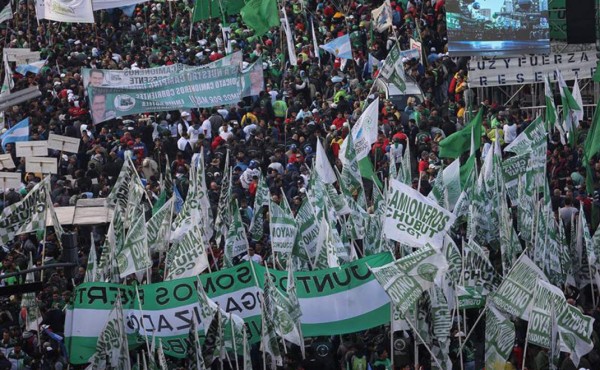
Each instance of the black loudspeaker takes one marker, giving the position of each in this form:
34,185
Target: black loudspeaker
581,21
69,245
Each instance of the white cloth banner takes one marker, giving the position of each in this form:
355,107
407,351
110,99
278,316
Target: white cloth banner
528,69
68,11
413,219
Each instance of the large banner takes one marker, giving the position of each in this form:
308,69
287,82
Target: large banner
528,69
497,27
413,219
202,88
68,11
122,78
328,302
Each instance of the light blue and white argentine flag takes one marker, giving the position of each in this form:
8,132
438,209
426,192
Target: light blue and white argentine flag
19,132
339,47
34,67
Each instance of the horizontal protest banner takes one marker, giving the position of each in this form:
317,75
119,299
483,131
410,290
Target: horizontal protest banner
527,69
327,301
129,77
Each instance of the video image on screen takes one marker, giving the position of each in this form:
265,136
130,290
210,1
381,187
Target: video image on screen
497,27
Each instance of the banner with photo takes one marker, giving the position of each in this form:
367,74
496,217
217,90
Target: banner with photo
186,90
497,27
129,77
528,69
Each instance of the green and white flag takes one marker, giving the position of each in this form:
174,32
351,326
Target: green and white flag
282,226
446,188
188,256
350,180
515,295
373,243
160,353
134,202
135,255
6,13
119,194
270,339
208,308
322,165
168,305
514,170
281,309
499,339
196,208
111,347
223,219
194,353
91,271
392,70
26,216
575,329
551,115
584,237
326,256
405,170
486,199
305,246
33,316
364,133
236,242
569,105
414,219
407,278
158,227
261,199
478,271
108,269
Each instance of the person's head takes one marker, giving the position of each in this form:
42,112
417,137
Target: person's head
251,251
98,108
96,77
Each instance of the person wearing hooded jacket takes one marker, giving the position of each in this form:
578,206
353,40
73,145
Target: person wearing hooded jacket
249,173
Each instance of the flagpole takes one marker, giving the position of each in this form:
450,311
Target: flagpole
237,364
137,293
44,240
416,346
460,341
392,334
424,343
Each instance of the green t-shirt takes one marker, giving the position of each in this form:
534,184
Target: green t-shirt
385,362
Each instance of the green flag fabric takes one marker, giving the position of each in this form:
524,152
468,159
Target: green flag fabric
591,148
260,15
459,142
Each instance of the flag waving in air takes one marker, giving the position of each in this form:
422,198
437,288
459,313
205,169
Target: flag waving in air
339,47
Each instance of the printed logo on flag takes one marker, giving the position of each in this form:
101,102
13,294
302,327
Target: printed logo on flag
124,103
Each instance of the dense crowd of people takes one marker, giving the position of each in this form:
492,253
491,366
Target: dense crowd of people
274,133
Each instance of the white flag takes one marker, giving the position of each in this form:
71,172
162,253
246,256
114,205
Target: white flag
322,165
413,219
382,17
188,257
578,114
289,38
77,11
364,132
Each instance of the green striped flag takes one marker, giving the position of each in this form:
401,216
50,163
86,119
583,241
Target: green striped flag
167,306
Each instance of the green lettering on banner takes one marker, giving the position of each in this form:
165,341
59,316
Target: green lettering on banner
168,307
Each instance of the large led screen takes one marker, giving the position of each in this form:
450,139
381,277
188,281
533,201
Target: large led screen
497,27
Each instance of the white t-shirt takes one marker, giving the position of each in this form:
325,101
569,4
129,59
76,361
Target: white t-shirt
194,132
206,129
256,258
510,133
182,143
